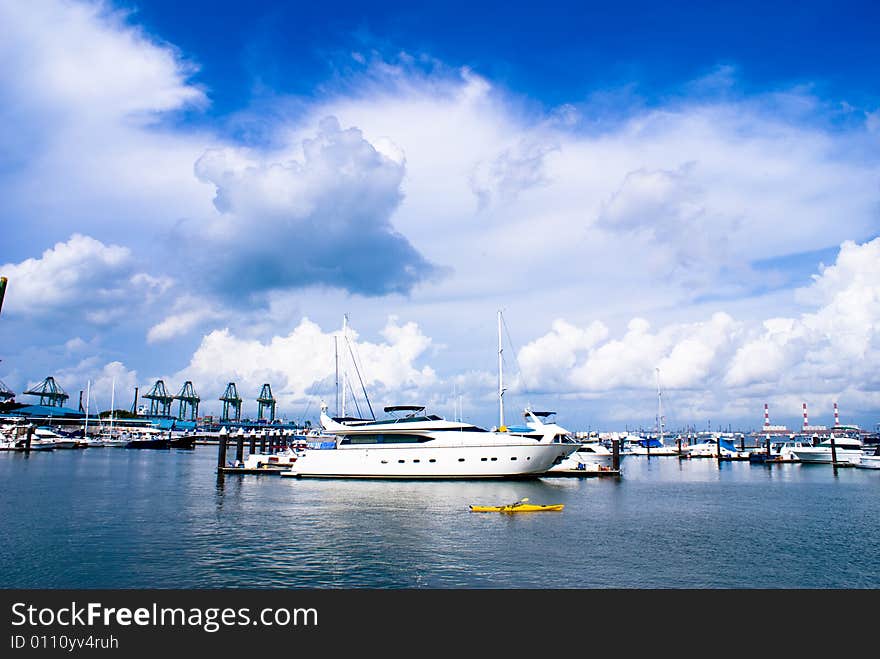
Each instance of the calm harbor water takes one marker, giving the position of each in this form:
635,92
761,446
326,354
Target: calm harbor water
115,518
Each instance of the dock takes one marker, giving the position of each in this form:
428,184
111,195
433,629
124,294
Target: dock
256,470
583,473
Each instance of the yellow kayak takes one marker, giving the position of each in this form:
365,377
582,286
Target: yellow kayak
517,508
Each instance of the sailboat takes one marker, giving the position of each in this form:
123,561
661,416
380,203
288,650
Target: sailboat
651,446
90,442
412,444
113,440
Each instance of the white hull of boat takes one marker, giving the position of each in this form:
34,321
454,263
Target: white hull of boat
66,443
869,462
261,460
41,445
431,462
709,452
582,460
822,455
666,451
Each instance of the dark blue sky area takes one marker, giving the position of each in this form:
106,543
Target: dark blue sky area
553,52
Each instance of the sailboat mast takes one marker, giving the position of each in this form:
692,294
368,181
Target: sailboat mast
344,335
112,404
500,376
336,357
88,395
659,408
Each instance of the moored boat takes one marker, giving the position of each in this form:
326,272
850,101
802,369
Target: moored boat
846,449
421,446
412,444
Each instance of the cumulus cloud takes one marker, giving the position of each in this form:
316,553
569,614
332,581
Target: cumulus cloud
301,364
101,384
81,274
324,219
829,351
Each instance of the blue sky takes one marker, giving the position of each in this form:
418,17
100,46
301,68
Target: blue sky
554,54
200,190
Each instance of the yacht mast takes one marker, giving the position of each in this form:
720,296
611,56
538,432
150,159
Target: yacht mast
344,335
500,376
336,356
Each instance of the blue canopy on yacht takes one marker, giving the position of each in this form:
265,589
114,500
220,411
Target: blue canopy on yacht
727,444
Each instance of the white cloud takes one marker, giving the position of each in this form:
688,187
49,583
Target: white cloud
318,217
301,364
188,313
87,92
83,275
83,56
546,361
100,384
829,351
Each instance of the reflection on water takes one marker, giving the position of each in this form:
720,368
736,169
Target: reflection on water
115,518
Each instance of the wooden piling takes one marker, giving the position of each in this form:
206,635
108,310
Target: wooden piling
767,443
221,452
615,454
239,450
27,441
253,445
833,454
263,444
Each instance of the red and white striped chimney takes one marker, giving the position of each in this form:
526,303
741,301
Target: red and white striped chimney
806,423
836,416
766,416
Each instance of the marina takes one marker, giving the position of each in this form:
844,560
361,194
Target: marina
167,519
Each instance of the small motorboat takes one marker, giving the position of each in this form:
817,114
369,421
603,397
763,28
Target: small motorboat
145,440
521,506
869,460
182,441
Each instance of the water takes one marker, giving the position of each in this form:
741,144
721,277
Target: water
115,518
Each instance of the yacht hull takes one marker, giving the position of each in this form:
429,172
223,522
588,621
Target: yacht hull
431,461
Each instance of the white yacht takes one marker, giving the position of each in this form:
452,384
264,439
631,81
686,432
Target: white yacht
588,456
414,445
648,446
45,435
786,450
709,449
847,449
870,459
